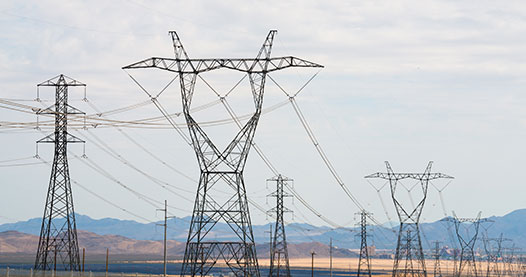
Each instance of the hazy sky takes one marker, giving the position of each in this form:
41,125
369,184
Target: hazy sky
404,81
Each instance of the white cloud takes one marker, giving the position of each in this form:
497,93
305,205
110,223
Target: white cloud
405,81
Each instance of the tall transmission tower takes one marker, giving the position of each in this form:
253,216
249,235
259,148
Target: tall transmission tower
467,243
58,243
409,245
221,168
279,259
436,255
364,263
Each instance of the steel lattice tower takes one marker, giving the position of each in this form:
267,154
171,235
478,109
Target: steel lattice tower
279,259
467,244
436,255
493,249
409,245
58,236
221,167
364,263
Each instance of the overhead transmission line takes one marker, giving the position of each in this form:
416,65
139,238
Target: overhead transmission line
265,159
97,168
258,150
317,145
98,121
260,153
91,164
111,203
112,153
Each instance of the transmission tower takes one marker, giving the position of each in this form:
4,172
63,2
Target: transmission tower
467,254
58,236
509,260
221,168
436,255
279,259
364,263
493,249
409,245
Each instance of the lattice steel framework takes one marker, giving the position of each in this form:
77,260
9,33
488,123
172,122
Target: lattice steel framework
409,245
202,251
436,255
509,260
467,243
58,243
279,259
493,249
364,263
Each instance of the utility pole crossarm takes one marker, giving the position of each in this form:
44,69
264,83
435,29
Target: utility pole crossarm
197,66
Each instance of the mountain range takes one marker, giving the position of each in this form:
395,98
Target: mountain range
17,247
511,225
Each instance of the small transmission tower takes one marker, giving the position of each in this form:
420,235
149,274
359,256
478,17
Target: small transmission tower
436,255
409,246
58,235
467,244
364,263
221,168
279,258
493,249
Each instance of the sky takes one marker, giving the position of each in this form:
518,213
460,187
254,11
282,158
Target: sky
403,81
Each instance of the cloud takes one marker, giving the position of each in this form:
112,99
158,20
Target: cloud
405,81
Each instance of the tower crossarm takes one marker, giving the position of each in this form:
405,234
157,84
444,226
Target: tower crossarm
251,65
415,176
61,80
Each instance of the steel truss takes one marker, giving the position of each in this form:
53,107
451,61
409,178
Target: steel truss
493,249
279,260
364,263
437,271
224,167
409,245
467,244
58,243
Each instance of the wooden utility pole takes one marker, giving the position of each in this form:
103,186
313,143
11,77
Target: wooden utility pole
312,263
55,253
107,254
330,257
269,244
165,225
83,258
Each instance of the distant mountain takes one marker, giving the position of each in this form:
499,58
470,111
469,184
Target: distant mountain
22,247
17,242
512,225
